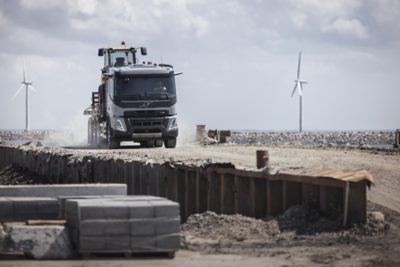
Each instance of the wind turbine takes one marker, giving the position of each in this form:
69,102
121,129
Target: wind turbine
299,86
27,85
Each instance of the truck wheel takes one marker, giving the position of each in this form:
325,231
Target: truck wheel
112,143
89,131
158,143
170,143
95,133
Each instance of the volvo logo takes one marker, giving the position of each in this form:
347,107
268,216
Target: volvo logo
145,105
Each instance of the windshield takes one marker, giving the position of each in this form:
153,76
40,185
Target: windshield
141,87
121,58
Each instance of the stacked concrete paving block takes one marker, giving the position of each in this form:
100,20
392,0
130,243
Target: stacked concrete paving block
24,202
125,224
25,208
56,190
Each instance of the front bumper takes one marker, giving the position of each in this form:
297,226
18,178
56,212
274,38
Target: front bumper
142,129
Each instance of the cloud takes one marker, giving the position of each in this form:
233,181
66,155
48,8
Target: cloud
347,27
233,54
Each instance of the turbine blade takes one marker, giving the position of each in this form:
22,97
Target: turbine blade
300,90
18,91
294,89
298,66
33,88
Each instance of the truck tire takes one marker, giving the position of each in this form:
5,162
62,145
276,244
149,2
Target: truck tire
89,131
111,141
170,143
95,133
158,143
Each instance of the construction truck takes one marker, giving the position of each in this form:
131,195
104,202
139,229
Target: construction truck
134,102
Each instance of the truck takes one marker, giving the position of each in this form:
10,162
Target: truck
135,101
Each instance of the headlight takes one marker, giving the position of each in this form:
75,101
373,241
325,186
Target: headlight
173,124
119,125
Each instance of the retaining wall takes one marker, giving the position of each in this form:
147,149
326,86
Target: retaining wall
216,187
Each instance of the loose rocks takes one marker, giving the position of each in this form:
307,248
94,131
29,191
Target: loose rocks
232,228
360,140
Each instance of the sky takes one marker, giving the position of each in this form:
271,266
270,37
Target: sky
238,58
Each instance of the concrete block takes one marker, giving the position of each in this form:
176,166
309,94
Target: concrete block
91,243
57,190
6,209
40,242
117,243
104,227
143,243
168,225
116,210
90,212
25,208
141,209
62,200
142,227
165,208
168,242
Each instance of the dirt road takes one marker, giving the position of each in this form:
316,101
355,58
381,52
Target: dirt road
384,166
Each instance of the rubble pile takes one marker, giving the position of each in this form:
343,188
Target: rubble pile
210,225
361,140
299,225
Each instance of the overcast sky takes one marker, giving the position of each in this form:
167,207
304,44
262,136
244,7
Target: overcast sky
239,59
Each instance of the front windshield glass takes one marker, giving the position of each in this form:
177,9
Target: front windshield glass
121,58
142,87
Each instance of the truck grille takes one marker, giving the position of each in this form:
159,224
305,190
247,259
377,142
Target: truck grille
146,113
145,123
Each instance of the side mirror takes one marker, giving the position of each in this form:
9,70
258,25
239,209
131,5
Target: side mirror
143,51
101,52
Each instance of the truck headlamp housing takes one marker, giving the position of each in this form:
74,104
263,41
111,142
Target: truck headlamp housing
119,125
173,123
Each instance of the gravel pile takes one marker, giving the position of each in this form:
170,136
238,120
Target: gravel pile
362,140
210,225
298,226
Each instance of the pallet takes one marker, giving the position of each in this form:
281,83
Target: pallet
127,254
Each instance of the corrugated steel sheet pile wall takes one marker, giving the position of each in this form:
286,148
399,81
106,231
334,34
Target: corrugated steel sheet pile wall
216,187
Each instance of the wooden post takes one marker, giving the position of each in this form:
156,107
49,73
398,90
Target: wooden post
262,158
397,139
346,202
200,131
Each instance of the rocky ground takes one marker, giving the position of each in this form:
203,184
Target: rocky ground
346,139
300,234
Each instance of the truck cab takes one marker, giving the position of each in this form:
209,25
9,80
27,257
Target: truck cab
134,102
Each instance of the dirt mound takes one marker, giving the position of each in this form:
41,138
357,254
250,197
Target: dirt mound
298,226
307,220
210,225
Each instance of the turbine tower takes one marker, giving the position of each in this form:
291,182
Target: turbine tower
27,85
299,86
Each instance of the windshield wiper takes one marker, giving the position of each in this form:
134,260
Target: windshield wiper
167,96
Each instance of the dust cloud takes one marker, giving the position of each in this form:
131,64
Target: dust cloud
73,133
